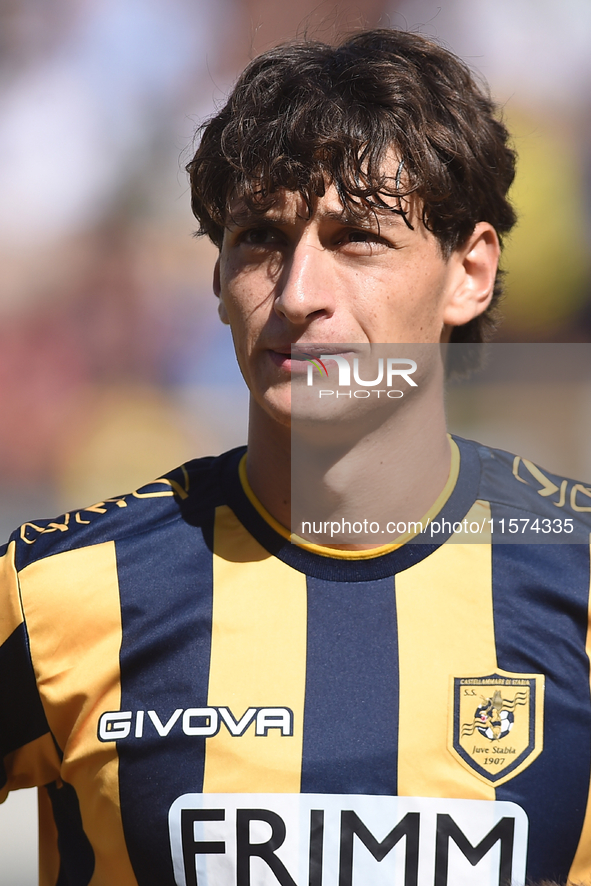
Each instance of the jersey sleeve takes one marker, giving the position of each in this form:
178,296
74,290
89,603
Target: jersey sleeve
27,752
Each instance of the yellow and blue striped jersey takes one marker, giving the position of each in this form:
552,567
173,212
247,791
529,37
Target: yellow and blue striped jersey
201,701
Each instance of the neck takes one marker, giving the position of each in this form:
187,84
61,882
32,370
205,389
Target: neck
403,464
269,463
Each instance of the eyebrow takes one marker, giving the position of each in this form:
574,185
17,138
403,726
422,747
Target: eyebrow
377,215
243,216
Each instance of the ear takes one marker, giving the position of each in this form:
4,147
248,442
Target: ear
217,289
475,267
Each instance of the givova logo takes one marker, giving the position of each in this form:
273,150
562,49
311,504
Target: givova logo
118,725
345,840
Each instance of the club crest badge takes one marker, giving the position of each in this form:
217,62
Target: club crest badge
496,728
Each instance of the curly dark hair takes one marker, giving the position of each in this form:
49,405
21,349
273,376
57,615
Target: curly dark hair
307,115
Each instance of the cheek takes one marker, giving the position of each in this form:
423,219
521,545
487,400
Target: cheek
247,317
237,296
412,310
427,288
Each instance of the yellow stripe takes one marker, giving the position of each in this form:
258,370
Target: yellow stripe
445,627
580,871
479,513
49,857
258,659
71,605
11,615
33,764
371,553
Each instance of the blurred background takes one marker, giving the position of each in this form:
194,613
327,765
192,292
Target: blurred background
113,364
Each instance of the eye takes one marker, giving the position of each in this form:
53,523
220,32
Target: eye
360,236
261,236
363,239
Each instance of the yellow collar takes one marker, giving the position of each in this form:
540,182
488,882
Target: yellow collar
354,555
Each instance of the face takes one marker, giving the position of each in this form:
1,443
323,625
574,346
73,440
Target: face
284,279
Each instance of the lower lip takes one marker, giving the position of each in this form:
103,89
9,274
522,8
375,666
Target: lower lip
284,361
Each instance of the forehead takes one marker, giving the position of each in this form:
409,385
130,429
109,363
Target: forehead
290,207
386,206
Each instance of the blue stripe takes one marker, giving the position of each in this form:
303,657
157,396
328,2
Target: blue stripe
540,595
351,709
76,854
165,579
22,718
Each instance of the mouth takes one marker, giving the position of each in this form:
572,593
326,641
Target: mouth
284,359
295,358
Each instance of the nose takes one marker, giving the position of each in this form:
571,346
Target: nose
304,290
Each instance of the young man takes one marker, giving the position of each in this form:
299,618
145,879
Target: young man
204,701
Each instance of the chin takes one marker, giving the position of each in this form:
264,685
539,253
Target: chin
280,417
277,405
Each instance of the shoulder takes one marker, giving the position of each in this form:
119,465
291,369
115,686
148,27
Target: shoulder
184,494
514,485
